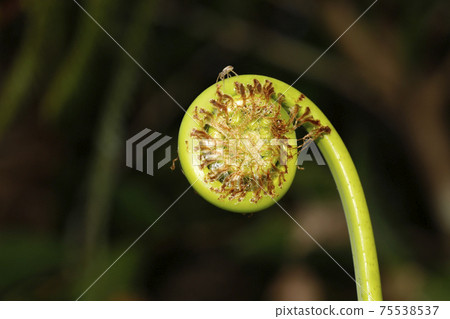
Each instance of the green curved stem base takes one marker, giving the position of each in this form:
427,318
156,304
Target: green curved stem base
365,260
364,252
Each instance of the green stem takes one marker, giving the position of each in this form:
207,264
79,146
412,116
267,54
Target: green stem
356,212
362,241
341,165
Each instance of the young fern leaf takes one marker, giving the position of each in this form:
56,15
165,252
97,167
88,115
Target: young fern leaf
237,144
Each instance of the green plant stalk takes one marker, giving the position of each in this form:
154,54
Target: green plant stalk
359,226
342,168
364,253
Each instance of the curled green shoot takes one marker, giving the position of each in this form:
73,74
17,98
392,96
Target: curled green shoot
238,173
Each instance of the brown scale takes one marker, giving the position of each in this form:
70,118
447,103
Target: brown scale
222,97
239,87
279,128
306,117
196,113
281,176
222,107
257,86
251,91
268,90
172,167
200,134
270,184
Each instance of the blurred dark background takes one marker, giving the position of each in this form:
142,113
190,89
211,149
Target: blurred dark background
69,98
